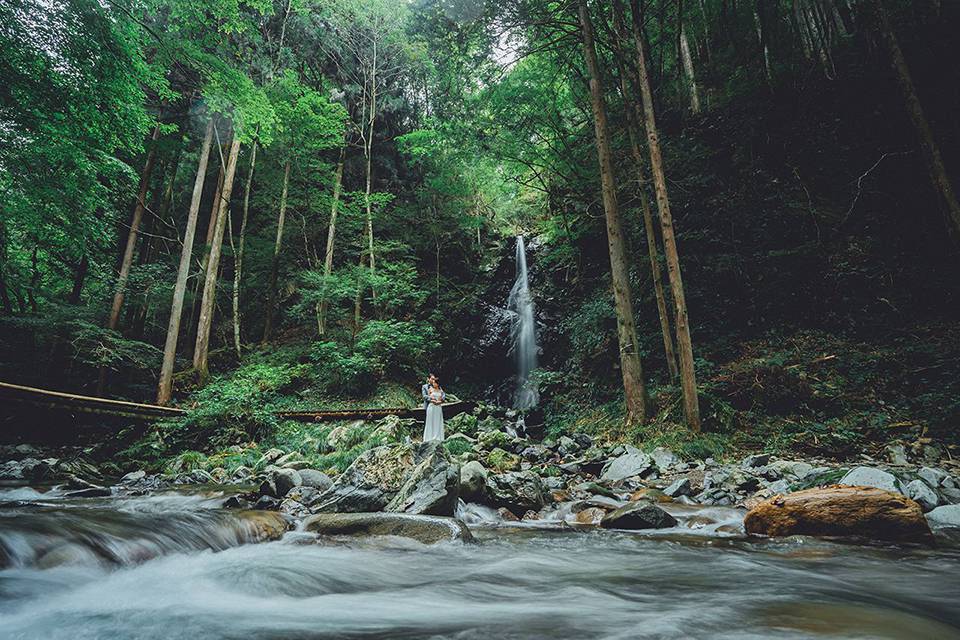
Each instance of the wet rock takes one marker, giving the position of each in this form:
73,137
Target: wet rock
837,510
780,486
926,497
716,496
271,456
535,453
596,489
423,528
267,503
294,508
518,491
947,516
219,475
236,502
871,477
755,461
265,525
506,515
432,488
26,451
315,479
590,515
663,458
638,515
279,482
473,481
627,466
650,494
789,469
679,487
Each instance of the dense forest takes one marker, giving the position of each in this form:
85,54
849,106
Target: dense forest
740,215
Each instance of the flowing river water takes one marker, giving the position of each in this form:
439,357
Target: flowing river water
174,566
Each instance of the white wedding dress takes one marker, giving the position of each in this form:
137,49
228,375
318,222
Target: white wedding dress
433,429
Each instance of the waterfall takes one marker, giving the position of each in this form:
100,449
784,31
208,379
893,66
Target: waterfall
524,333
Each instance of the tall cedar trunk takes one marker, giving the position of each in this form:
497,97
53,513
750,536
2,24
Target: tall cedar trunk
760,21
208,241
688,380
202,347
939,178
275,262
634,118
635,392
238,254
689,71
331,235
138,210
165,386
369,150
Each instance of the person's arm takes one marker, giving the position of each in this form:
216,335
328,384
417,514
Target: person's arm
425,392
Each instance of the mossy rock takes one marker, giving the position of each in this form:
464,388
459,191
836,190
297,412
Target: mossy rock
502,461
493,440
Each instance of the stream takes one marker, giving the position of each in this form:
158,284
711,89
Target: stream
174,565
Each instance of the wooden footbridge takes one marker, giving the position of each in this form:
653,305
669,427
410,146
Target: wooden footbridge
75,403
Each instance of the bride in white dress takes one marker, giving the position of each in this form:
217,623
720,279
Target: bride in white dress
433,429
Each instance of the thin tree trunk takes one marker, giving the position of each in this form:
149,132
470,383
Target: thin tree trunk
369,153
936,170
165,387
4,294
331,235
275,262
202,347
688,381
138,210
79,278
208,242
634,115
238,254
635,393
688,69
759,19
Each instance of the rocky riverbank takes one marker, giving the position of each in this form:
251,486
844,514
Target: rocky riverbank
573,480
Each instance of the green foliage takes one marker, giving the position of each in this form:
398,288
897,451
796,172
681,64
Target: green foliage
502,461
458,446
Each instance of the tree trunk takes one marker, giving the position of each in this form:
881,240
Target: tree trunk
369,151
134,228
331,235
202,347
79,277
208,242
760,21
275,262
165,386
689,71
688,381
4,294
936,170
238,255
634,118
635,393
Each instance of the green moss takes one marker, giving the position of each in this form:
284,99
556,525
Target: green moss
457,446
502,461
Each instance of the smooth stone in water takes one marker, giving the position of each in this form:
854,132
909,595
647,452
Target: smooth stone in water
425,529
638,515
473,480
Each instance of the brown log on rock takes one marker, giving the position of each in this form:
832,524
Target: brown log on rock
837,510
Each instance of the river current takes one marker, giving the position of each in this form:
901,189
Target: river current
176,567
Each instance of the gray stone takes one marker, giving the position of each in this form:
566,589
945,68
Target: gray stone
133,477
425,529
638,515
791,469
271,456
933,477
896,453
518,491
626,466
473,481
780,486
945,516
871,477
755,461
680,487
926,497
315,479
663,458
289,458
432,488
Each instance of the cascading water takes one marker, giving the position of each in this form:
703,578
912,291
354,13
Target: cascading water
524,333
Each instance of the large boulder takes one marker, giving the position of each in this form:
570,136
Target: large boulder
638,515
870,477
627,466
432,487
473,481
518,491
316,479
837,510
279,482
381,474
425,529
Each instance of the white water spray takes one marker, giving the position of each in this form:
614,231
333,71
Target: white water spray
524,346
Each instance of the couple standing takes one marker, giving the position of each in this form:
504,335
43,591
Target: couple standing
433,397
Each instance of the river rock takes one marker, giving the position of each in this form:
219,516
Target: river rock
269,457
947,516
518,491
790,469
679,487
933,477
926,497
315,479
837,510
896,453
590,515
755,461
626,466
473,481
871,477
638,515
378,475
432,488
279,482
133,477
663,458
425,529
